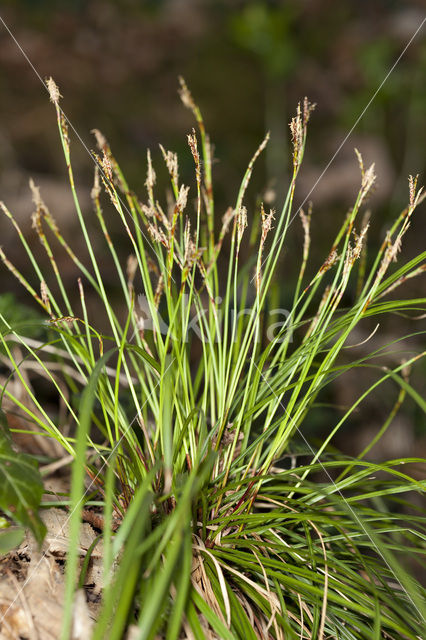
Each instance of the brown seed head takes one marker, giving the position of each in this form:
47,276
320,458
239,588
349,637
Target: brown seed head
45,295
96,189
241,223
171,161
331,259
308,107
101,141
185,95
107,166
150,175
53,90
182,198
359,241
266,222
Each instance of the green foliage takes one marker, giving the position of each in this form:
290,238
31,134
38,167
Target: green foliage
11,538
22,317
212,524
267,32
21,488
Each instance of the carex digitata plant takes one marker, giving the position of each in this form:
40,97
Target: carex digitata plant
184,413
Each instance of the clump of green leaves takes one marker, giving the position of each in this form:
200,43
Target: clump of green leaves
21,488
189,407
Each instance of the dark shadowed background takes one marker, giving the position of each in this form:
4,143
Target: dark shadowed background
247,64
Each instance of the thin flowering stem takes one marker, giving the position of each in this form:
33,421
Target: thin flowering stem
188,101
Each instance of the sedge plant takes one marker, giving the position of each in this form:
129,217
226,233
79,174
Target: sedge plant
188,409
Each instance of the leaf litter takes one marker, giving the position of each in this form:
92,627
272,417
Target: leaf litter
32,584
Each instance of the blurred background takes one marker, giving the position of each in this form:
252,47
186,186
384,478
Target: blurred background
247,65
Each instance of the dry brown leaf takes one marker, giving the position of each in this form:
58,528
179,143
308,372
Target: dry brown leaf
33,609
82,624
57,538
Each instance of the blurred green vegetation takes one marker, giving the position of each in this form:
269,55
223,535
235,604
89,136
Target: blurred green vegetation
248,63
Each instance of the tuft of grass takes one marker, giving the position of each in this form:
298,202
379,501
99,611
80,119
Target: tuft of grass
190,405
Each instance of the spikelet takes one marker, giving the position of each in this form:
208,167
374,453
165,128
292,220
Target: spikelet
368,177
101,141
185,95
241,225
171,161
150,178
53,89
193,145
266,227
306,224
329,261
